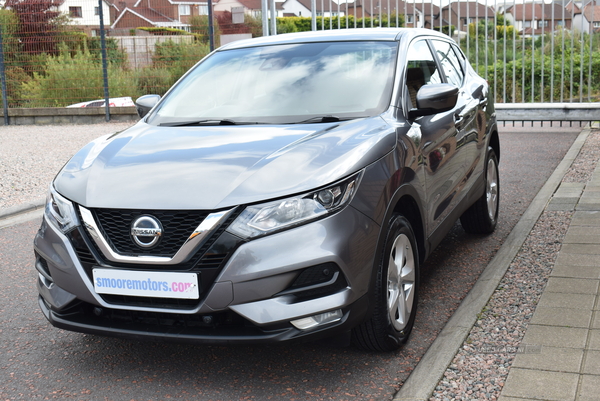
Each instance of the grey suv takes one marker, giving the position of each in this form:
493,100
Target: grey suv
285,188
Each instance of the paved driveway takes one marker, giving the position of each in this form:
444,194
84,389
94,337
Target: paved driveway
39,361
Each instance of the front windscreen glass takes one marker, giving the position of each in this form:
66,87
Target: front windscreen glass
307,82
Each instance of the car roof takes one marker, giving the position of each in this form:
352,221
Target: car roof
339,35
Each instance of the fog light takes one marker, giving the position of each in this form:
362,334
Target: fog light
317,320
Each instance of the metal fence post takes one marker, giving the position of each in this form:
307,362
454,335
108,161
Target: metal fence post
313,15
3,80
211,29
273,18
265,17
104,61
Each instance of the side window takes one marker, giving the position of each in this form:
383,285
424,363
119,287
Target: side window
461,57
450,62
421,69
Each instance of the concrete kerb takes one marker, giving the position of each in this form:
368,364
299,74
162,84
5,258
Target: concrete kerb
22,209
427,374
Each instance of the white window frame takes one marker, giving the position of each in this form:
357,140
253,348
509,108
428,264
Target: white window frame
185,9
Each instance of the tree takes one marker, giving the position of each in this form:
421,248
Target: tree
38,24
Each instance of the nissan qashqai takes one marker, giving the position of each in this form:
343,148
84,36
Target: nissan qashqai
286,187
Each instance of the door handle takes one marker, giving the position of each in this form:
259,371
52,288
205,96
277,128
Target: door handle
458,120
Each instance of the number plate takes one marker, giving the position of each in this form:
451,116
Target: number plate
146,284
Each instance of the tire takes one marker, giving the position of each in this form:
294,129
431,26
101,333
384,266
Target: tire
482,216
396,292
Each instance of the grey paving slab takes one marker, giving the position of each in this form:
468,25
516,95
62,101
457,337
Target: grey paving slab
576,259
591,363
570,185
582,235
587,206
589,388
565,199
596,320
579,267
552,359
590,198
561,206
572,285
562,317
555,336
571,301
540,384
583,218
583,249
594,343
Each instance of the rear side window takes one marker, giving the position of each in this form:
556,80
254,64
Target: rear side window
421,69
451,65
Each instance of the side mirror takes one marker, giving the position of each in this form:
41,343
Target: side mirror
145,103
434,98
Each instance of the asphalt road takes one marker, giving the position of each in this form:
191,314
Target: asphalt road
38,361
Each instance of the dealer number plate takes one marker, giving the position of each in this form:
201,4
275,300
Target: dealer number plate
146,284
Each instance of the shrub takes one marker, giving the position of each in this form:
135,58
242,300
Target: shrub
75,78
178,57
153,80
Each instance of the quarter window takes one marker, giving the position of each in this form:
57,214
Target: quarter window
450,63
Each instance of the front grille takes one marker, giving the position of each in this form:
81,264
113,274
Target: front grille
115,225
170,303
219,324
207,262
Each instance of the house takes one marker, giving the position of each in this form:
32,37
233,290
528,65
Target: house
535,19
462,13
302,8
372,8
431,15
159,13
250,7
86,14
586,17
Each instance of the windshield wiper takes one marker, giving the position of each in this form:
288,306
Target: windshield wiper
324,119
206,122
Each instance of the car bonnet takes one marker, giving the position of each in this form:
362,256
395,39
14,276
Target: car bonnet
208,168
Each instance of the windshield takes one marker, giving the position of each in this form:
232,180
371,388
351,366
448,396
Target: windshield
284,84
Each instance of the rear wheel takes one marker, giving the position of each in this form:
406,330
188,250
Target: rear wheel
396,291
482,216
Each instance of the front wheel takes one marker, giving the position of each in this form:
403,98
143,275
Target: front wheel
396,291
482,216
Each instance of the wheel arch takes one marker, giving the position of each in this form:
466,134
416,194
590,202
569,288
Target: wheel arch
494,143
405,201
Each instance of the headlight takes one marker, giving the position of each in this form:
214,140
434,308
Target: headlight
257,220
59,211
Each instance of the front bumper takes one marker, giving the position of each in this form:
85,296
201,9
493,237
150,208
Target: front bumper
249,301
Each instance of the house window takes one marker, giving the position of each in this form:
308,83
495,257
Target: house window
542,24
96,10
184,9
202,10
410,18
75,12
596,24
527,24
